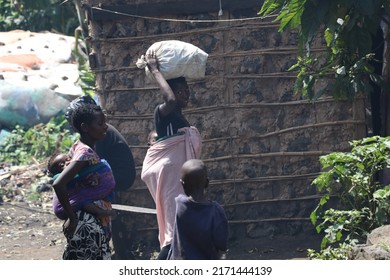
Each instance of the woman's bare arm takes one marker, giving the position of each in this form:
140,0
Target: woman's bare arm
59,186
168,95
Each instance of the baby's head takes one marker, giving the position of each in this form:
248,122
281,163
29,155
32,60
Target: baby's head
194,176
152,138
57,163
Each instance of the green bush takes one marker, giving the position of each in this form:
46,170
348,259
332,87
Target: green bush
38,15
329,253
353,179
37,143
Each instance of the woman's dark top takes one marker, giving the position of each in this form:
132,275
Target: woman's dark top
116,151
168,125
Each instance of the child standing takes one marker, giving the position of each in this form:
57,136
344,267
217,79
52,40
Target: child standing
86,238
201,229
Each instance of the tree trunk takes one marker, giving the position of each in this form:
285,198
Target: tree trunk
385,98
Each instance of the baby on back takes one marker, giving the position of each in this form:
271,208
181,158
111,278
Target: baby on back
86,191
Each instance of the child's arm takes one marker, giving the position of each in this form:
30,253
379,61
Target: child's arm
98,212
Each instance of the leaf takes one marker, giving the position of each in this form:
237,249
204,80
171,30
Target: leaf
308,86
324,199
290,15
312,17
328,35
293,67
313,218
269,6
382,193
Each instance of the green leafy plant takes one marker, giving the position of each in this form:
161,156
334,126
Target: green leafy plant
38,15
352,180
86,78
37,143
342,225
348,28
338,253
381,197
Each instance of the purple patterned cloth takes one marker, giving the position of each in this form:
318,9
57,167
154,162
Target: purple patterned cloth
94,182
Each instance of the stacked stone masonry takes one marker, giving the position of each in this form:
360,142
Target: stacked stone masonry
261,142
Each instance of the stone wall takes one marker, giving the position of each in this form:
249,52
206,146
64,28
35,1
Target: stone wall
261,143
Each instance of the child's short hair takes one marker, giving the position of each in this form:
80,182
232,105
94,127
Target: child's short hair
85,113
194,175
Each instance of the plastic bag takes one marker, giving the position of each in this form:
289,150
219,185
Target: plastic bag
177,59
27,104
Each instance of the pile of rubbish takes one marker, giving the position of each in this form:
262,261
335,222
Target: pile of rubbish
38,77
28,184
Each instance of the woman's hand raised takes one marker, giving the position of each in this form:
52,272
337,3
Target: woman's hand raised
152,61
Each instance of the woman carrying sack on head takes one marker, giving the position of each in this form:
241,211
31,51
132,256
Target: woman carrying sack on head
176,142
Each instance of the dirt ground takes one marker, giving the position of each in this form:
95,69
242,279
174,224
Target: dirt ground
30,231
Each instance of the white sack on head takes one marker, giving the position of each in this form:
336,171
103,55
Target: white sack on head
177,59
